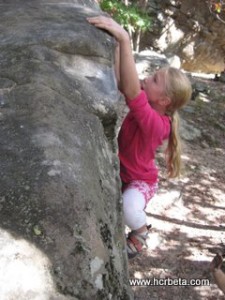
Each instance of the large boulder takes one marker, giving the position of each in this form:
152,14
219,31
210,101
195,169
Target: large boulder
61,226
190,29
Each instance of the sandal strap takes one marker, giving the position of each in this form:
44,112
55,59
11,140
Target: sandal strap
141,239
136,241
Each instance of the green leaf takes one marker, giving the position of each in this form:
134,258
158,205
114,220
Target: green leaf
130,17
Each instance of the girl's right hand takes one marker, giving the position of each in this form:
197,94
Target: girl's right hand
127,74
216,262
111,26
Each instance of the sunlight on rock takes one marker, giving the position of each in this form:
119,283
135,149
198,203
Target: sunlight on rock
185,179
140,67
173,38
206,170
167,197
220,150
138,275
24,270
203,75
154,241
202,293
197,254
205,181
202,97
100,107
185,157
218,194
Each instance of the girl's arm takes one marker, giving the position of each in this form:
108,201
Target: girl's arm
219,277
218,274
129,82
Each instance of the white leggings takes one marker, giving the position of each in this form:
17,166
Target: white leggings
135,198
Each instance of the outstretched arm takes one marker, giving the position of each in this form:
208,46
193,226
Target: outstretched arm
129,82
218,274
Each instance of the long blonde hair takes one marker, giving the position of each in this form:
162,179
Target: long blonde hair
178,89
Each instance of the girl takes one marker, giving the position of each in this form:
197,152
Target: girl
152,118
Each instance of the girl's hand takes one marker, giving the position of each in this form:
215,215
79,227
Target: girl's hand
126,69
217,262
111,26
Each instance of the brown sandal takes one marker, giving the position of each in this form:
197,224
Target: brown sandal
135,243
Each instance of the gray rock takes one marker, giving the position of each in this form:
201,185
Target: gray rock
61,227
148,61
222,77
190,30
188,131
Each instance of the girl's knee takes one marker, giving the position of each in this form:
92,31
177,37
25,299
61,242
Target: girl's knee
133,207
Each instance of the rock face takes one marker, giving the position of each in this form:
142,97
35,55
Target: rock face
190,30
61,228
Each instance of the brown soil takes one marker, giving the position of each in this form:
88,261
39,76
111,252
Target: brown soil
187,215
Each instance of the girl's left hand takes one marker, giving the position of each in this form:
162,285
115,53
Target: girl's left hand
111,26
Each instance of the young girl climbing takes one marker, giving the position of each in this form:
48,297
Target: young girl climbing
152,118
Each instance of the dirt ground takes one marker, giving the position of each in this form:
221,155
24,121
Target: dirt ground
188,215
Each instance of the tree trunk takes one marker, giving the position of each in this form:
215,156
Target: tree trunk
137,41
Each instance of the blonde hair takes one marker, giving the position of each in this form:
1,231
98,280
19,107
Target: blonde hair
178,89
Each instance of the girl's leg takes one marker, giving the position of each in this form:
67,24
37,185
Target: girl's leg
135,197
135,218
133,207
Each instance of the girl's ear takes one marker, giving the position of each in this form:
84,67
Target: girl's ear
165,101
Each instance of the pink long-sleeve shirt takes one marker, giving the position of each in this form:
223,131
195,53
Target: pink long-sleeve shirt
142,132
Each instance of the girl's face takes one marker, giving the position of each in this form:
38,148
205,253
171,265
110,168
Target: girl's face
154,86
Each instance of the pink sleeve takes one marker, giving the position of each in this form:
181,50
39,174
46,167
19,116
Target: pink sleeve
149,121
